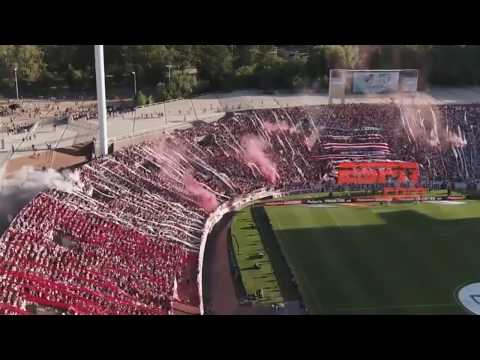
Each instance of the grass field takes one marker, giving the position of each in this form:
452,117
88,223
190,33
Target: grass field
251,235
404,258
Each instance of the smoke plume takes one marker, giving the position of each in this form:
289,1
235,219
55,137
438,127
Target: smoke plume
458,140
424,125
21,187
204,198
254,152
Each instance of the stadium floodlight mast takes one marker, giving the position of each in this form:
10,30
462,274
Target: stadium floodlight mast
101,99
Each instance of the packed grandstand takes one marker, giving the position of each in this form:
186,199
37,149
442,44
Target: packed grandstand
125,239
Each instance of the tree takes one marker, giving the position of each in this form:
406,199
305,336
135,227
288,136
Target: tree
181,86
57,57
141,99
77,79
183,56
215,64
155,59
27,58
323,58
162,92
148,61
269,72
293,74
316,65
246,55
341,56
404,57
245,76
455,65
184,84
299,83
223,67
265,52
30,65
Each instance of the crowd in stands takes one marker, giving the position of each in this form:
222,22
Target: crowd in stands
34,111
11,127
31,112
110,269
136,230
442,139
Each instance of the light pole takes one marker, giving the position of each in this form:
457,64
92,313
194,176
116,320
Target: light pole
101,99
16,79
134,84
169,74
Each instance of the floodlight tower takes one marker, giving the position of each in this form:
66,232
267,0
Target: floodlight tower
101,99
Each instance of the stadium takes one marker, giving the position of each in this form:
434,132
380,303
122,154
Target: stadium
357,207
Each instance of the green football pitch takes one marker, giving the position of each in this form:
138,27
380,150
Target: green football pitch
397,259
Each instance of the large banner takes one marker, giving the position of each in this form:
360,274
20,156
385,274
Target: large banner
372,82
408,84
375,82
378,172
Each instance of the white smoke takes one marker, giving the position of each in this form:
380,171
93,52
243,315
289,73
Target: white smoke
28,178
457,139
19,188
438,134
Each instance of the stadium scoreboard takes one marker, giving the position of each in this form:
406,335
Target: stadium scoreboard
344,83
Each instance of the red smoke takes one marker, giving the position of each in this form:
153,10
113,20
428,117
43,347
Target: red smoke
254,152
273,128
204,198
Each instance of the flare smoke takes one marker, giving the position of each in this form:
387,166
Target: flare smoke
204,198
254,152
